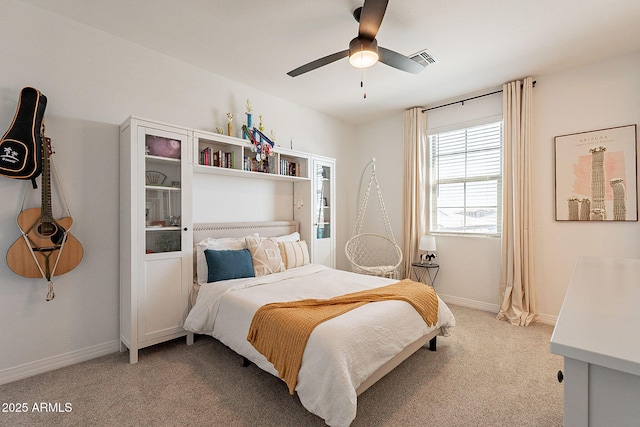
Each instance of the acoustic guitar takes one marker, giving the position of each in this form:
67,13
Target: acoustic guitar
46,248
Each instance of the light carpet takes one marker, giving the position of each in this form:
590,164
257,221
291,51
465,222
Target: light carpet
487,373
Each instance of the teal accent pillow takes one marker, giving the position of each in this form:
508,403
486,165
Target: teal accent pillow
228,264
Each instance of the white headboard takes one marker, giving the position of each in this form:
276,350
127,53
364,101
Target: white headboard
240,229
219,230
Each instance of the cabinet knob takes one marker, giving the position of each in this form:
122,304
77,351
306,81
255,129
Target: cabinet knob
560,376
184,229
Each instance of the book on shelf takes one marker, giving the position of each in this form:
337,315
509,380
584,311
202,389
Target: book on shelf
218,158
289,168
252,165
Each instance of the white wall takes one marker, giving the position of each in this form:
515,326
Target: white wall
599,95
594,96
384,140
381,140
93,81
252,199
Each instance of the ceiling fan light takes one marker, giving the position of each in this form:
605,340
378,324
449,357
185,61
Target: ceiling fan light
363,53
363,59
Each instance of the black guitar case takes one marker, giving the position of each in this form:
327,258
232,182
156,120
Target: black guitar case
21,145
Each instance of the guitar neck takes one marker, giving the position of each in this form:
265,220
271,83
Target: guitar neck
46,178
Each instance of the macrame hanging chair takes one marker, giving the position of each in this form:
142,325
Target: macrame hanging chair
371,253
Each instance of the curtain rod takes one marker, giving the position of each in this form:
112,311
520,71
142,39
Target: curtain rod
462,101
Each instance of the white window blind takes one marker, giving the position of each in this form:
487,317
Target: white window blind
466,180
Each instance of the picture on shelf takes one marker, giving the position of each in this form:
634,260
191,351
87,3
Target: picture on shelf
162,147
153,211
149,212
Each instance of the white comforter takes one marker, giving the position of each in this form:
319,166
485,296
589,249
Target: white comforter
340,354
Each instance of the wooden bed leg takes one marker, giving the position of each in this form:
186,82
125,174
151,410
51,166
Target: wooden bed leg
432,344
245,362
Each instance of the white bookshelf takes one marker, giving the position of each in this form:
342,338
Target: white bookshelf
238,150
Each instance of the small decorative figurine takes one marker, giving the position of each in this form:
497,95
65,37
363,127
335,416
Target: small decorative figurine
230,124
260,126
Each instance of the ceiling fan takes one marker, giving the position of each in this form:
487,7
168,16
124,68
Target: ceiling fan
363,50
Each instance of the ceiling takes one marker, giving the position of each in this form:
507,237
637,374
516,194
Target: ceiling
478,44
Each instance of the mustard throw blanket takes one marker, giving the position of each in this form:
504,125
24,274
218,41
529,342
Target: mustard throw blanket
280,330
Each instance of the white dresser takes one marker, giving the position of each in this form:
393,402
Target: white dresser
598,333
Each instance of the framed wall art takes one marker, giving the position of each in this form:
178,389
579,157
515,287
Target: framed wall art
596,175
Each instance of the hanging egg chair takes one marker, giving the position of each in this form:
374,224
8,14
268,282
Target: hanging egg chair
370,253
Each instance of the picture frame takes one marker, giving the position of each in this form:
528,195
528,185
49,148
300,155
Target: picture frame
162,147
149,212
154,211
596,175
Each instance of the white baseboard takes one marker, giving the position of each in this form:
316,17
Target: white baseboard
479,305
492,308
549,319
55,362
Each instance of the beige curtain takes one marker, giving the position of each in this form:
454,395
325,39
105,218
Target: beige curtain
415,185
517,283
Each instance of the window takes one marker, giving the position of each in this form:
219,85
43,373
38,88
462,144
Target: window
466,180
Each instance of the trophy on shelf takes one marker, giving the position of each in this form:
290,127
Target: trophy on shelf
249,117
230,124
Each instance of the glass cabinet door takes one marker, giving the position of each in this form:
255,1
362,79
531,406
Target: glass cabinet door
163,195
323,176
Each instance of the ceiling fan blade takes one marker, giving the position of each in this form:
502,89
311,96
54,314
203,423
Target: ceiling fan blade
399,61
319,63
371,17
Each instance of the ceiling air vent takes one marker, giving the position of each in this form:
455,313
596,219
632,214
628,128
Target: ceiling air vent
424,58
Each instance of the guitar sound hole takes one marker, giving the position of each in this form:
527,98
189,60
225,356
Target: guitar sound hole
47,229
52,231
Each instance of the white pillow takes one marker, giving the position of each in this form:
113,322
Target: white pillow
293,237
226,243
265,255
294,254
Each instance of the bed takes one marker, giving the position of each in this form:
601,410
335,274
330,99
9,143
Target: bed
333,371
